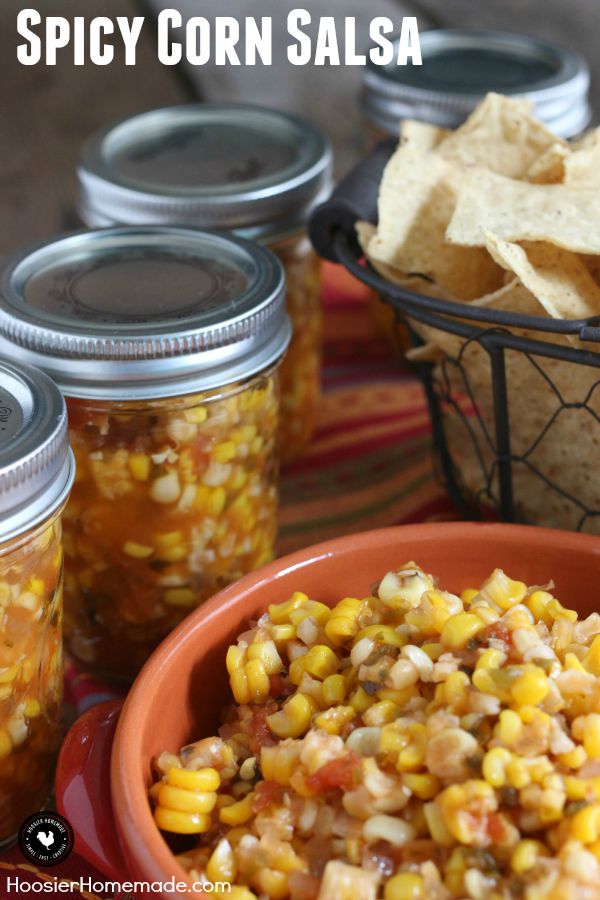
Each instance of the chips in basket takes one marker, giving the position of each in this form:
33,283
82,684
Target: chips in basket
504,214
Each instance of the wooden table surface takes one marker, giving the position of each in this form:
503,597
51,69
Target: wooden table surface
45,113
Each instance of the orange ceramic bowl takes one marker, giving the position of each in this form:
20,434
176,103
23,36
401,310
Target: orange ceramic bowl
178,695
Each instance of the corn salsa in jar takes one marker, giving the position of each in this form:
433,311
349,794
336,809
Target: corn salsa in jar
255,171
172,392
36,472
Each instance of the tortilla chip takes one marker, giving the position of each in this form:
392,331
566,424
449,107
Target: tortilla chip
582,169
416,202
502,135
557,278
421,135
549,168
519,211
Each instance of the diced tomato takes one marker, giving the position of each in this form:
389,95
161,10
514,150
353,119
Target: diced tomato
280,686
337,773
495,827
499,632
260,735
267,793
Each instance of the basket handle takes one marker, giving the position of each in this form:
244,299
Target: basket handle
354,198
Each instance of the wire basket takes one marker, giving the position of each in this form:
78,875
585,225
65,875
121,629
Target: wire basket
514,399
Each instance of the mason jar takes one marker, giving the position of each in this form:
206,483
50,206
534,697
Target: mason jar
166,344
36,473
460,66
251,170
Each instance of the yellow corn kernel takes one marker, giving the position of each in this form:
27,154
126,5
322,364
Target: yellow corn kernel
184,800
207,779
574,759
279,763
180,597
585,824
517,773
8,674
381,634
360,700
174,554
266,652
490,659
333,720
181,822
468,595
398,697
283,633
202,495
140,466
294,719
215,501
531,687
454,802
236,658
224,800
37,586
32,708
433,650
279,612
334,689
224,452
509,727
240,688
494,766
405,886
237,813
591,736
502,590
538,602
558,611
137,551
526,855
343,621
381,713
168,540
271,883
591,660
240,892
222,865
436,825
320,661
258,682
317,611
196,416
455,687
423,786
459,629
576,788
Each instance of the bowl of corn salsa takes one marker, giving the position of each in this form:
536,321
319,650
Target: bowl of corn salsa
404,714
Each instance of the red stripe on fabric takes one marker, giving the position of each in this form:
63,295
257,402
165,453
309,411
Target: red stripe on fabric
322,460
366,422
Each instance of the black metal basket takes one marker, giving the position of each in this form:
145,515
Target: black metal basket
448,384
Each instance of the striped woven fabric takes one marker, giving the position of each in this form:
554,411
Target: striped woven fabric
369,466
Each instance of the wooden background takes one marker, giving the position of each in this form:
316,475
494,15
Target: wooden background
45,113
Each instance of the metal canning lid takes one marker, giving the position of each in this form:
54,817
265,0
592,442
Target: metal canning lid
461,66
36,465
142,313
256,171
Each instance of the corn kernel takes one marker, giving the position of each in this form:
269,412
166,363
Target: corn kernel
184,800
180,597
494,766
266,652
531,687
206,779
237,813
591,736
293,720
526,855
140,466
320,661
137,551
459,629
423,786
334,689
585,824
221,865
404,886
181,822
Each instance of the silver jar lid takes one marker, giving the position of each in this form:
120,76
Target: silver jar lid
461,66
36,465
244,168
147,312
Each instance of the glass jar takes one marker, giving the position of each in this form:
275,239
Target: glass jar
36,472
460,66
251,170
166,343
